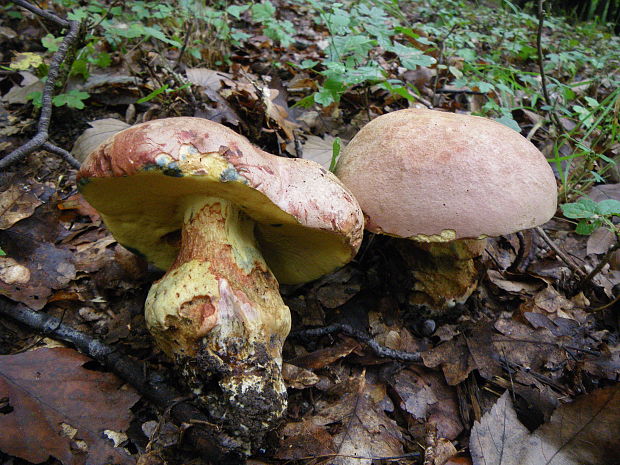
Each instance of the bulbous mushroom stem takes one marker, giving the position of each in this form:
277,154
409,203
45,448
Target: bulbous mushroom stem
219,314
445,273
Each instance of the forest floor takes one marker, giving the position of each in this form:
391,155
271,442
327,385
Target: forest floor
524,372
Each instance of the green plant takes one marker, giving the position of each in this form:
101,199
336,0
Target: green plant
593,215
357,38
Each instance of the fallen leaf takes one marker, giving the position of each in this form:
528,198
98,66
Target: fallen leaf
319,149
323,357
56,407
583,432
100,130
17,202
365,432
298,378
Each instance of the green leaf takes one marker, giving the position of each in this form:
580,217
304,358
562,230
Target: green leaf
307,64
263,12
609,207
51,43
411,57
73,99
583,208
2,253
586,228
153,94
236,10
508,121
335,154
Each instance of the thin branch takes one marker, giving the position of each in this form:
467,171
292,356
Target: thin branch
42,13
377,348
541,66
606,259
218,448
565,258
42,136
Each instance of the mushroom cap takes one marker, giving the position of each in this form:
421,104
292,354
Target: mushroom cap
434,176
307,222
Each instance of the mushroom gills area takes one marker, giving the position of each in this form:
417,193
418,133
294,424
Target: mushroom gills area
445,273
219,314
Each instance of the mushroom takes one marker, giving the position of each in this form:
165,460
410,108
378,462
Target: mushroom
227,221
446,181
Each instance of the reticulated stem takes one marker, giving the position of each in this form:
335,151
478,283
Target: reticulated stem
219,314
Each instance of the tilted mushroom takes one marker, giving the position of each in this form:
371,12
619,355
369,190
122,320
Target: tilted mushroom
226,220
446,181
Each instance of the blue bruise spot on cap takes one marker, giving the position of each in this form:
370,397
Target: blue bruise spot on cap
230,174
173,170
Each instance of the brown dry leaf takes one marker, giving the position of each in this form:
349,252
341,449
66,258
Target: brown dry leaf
17,202
18,94
277,112
210,83
532,350
305,439
100,130
336,289
323,357
425,395
61,409
49,267
584,432
511,286
319,149
298,378
365,429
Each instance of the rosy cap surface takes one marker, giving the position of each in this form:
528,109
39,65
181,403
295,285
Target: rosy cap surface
307,222
435,176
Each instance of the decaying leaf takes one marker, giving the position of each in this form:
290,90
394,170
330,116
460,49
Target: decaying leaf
319,149
58,408
351,424
17,202
584,432
100,130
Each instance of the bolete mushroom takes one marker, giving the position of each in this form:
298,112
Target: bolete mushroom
447,181
247,219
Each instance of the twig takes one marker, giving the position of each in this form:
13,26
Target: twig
377,348
43,13
565,258
606,259
188,33
42,136
541,66
218,448
439,62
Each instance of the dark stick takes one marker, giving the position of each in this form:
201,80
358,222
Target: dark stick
377,348
218,448
42,136
565,258
541,66
606,259
43,13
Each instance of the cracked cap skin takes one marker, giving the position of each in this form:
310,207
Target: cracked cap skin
226,220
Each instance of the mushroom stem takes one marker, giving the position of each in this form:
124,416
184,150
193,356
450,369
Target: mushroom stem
219,314
445,273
